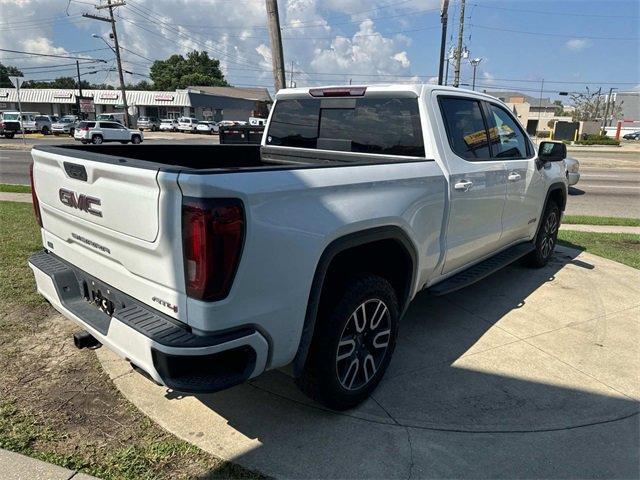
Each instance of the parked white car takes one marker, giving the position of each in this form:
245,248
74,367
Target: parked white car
207,265
572,170
208,127
101,132
187,124
168,125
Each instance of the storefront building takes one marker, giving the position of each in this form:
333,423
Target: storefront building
226,103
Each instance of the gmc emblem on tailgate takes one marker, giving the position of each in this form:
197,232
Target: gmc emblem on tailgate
80,202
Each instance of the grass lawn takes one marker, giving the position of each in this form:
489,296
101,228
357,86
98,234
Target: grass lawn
56,403
591,220
10,187
620,247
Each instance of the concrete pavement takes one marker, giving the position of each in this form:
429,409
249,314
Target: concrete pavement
601,228
530,373
19,467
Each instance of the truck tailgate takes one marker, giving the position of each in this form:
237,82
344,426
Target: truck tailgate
128,197
103,217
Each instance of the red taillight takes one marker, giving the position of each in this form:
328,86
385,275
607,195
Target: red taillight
212,237
338,92
34,197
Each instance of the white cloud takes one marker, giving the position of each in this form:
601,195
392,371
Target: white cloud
488,77
233,32
576,44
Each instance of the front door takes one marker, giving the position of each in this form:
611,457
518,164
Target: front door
477,183
525,184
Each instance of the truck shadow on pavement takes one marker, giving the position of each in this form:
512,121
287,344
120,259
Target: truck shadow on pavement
525,374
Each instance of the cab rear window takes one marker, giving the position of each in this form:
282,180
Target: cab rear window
388,126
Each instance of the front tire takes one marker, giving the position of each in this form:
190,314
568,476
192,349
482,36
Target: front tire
136,139
546,238
8,135
352,344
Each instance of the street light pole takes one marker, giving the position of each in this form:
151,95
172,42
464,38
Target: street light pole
474,63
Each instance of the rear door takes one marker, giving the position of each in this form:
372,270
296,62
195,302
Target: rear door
477,182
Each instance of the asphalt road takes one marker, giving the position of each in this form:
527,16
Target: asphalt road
609,183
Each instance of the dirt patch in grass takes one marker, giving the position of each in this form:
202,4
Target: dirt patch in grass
56,403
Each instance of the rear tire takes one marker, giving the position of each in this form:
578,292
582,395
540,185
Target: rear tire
352,344
45,130
546,238
96,139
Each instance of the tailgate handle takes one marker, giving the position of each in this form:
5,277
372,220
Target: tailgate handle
75,171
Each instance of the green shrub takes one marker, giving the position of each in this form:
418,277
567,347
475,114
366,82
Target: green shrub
595,139
543,134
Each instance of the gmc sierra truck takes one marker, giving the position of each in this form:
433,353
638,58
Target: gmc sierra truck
206,265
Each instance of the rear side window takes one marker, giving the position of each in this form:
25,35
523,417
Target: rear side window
389,126
465,127
86,125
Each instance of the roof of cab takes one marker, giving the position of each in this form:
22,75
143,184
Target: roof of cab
404,88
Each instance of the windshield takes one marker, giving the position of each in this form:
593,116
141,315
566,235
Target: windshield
167,121
10,116
65,120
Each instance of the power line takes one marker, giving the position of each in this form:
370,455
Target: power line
554,13
548,34
48,55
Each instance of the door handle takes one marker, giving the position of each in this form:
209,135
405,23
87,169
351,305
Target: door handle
463,185
514,177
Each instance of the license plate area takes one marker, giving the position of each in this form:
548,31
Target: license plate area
101,297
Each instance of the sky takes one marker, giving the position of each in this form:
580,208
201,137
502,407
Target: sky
571,44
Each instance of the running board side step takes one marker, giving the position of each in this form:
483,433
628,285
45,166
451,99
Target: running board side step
481,270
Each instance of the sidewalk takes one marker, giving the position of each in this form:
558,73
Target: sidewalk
19,467
15,197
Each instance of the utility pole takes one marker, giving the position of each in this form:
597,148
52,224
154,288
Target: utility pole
540,103
456,77
291,76
595,113
79,90
606,110
444,18
277,57
111,4
17,82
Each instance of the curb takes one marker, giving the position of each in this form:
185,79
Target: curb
600,228
15,466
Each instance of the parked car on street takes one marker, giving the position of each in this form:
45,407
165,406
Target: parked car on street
43,124
112,117
572,170
208,127
169,125
206,265
632,136
28,122
65,126
187,124
9,124
148,123
101,132
227,123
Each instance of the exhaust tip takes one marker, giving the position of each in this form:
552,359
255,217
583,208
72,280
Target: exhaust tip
84,339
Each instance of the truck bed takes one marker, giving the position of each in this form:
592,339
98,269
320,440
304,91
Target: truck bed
215,158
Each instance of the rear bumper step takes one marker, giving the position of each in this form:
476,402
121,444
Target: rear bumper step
166,350
481,270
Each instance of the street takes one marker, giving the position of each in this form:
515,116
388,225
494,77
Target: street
609,183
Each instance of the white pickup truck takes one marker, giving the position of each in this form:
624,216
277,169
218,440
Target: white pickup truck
205,265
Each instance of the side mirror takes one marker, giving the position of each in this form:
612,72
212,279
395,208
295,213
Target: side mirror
552,152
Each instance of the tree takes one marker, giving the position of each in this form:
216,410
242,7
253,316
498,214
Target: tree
178,72
5,73
591,106
60,82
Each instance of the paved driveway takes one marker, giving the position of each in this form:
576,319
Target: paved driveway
531,373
